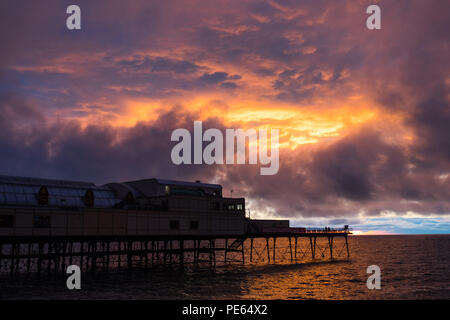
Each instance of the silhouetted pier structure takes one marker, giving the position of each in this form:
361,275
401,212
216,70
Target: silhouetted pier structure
47,225
47,255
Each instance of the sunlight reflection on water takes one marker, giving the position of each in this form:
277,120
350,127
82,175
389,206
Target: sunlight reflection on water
413,267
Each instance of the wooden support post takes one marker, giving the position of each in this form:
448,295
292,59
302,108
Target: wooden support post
194,249
210,252
13,249
181,252
49,256
29,257
71,253
94,256
274,247
129,254
141,251
214,252
251,250
295,248
158,250
226,250
1,255
315,242
56,257
82,256
153,253
18,257
268,250
346,245
58,251
243,253
290,249
107,254
64,253
146,254
87,254
330,245
198,250
165,251
119,254
39,266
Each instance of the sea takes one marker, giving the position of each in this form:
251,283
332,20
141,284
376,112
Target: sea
412,267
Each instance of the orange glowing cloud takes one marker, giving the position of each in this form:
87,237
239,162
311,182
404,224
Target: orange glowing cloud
298,126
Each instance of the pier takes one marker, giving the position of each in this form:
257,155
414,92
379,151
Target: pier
48,225
52,255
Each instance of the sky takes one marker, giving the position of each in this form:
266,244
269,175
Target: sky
363,115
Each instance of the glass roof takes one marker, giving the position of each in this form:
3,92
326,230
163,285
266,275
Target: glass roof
18,191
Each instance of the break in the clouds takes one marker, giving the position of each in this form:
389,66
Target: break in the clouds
364,116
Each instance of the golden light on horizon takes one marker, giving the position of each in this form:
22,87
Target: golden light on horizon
370,233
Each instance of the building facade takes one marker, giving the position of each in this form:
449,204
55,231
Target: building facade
44,207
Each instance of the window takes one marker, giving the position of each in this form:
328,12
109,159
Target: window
174,224
89,198
193,225
239,206
231,207
41,221
167,189
6,221
43,196
129,198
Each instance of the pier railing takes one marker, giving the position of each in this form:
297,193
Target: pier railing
328,230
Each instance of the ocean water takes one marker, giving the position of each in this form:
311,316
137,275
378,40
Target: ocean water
412,267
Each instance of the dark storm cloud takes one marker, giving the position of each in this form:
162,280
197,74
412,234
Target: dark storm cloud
418,85
214,78
359,173
220,77
160,64
31,146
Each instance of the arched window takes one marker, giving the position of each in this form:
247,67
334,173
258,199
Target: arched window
43,196
89,198
129,198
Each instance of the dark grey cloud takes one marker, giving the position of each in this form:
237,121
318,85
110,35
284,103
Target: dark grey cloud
219,77
32,146
160,64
